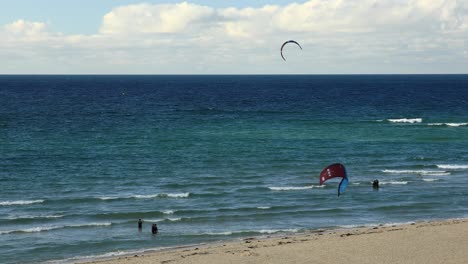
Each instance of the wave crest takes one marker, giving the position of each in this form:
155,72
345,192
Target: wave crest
146,196
418,172
48,228
394,182
292,188
452,167
405,120
263,231
21,202
21,217
448,124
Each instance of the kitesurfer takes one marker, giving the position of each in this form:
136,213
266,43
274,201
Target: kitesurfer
140,224
375,184
154,229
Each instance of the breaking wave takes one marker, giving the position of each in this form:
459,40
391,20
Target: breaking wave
263,231
163,220
148,196
393,182
430,180
448,124
21,217
405,120
21,202
291,188
418,172
48,228
452,167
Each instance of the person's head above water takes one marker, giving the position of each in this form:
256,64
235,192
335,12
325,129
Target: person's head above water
375,183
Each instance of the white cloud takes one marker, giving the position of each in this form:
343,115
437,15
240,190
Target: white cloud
25,30
340,36
147,18
317,16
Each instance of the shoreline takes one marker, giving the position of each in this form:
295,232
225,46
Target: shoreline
435,241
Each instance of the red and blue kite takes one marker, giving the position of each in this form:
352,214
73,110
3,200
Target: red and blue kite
333,171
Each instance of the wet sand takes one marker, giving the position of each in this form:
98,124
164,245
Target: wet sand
422,242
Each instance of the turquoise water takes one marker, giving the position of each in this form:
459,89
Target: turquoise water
211,158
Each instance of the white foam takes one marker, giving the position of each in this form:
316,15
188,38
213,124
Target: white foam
108,198
34,216
21,202
168,212
162,220
51,216
430,180
263,231
394,182
48,228
448,124
419,172
227,233
406,120
291,188
456,124
272,231
153,220
263,207
162,195
178,195
81,259
91,224
438,174
452,167
375,225
146,196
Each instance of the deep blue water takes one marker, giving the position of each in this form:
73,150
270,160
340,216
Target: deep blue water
209,158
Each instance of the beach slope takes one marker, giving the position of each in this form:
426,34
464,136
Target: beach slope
422,242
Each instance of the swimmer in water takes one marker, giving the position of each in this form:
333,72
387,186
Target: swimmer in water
375,184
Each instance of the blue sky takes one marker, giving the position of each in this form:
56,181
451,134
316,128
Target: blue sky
211,37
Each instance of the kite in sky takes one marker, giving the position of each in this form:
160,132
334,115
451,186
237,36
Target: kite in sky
284,44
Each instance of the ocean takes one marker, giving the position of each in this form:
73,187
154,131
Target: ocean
212,158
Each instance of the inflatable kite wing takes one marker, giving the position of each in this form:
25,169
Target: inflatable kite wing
333,171
284,44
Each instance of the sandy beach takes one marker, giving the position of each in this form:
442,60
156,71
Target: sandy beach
421,242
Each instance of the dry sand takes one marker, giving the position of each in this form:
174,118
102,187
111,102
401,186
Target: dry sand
422,243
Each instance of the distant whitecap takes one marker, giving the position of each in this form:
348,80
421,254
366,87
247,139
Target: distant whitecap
16,217
452,167
146,196
21,202
272,231
290,188
430,180
405,120
448,124
50,227
178,195
394,182
418,172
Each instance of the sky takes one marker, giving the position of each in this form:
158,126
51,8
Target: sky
233,37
